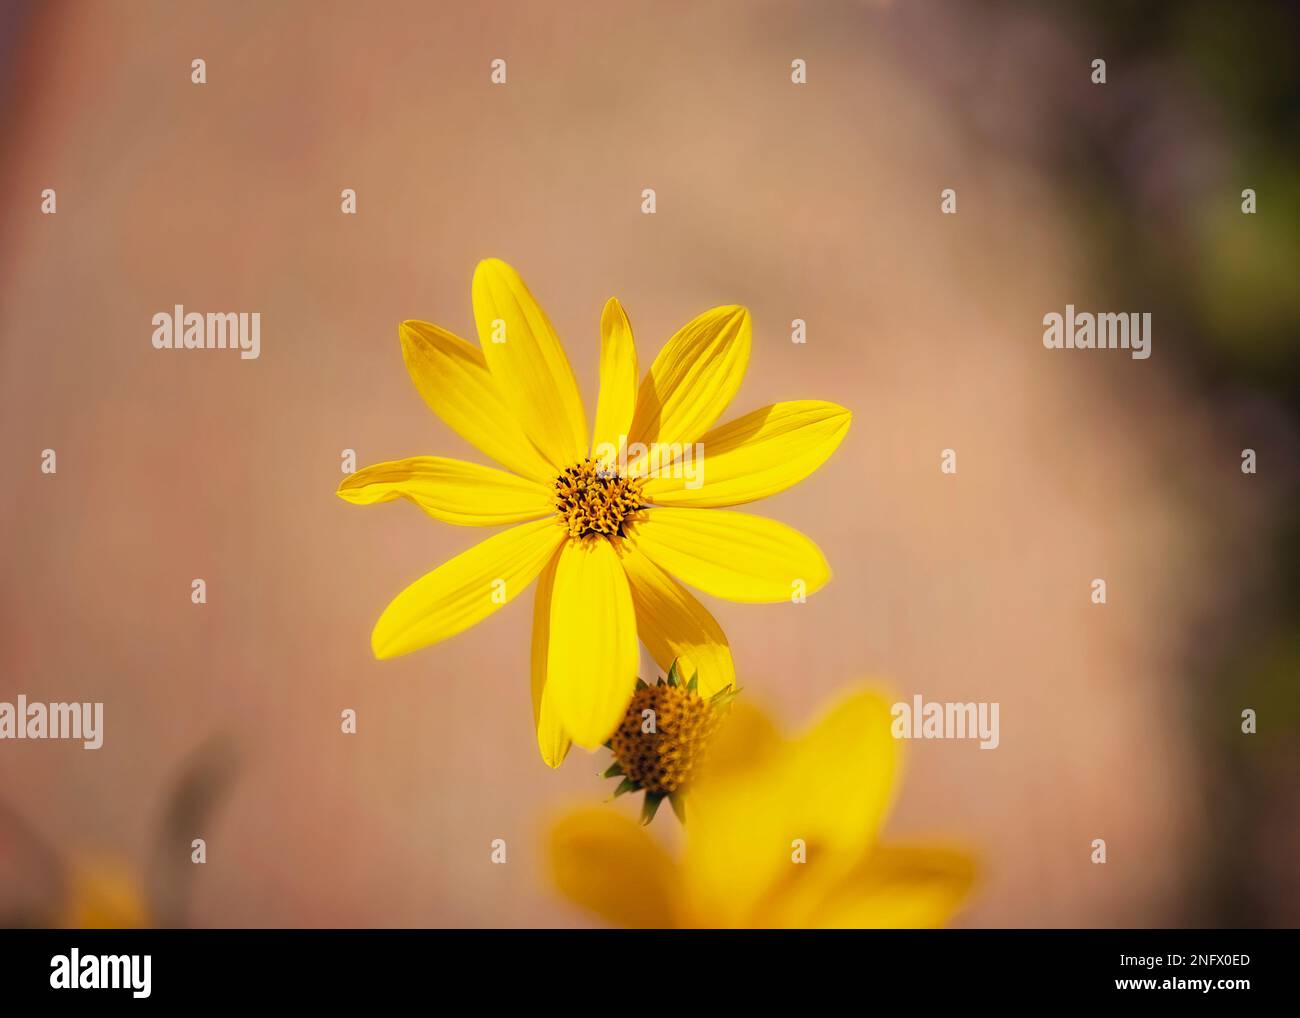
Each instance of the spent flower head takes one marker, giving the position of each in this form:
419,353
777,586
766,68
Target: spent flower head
663,740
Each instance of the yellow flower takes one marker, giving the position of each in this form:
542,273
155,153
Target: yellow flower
778,834
604,520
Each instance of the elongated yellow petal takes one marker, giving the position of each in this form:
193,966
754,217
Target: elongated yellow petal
754,456
592,654
834,785
731,555
102,894
466,589
608,864
738,845
528,364
768,841
693,379
551,738
451,490
674,625
453,379
745,739
839,775
899,887
618,371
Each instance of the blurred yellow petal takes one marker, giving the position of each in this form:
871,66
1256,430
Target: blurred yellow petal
746,739
731,555
610,865
755,456
737,843
900,887
466,589
674,625
592,653
453,379
738,848
102,895
528,364
836,783
819,798
839,775
618,377
451,490
551,738
693,379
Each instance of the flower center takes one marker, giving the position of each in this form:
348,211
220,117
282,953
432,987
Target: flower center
662,752
592,499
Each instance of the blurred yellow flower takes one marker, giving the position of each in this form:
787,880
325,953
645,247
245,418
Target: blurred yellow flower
778,834
604,519
102,895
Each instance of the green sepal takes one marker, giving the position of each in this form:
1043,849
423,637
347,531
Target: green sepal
674,677
651,806
694,685
641,684
615,769
722,699
625,786
678,800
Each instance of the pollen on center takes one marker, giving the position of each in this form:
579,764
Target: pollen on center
593,499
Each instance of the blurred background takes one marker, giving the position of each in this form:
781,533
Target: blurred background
818,202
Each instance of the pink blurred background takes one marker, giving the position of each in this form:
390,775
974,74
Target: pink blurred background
818,202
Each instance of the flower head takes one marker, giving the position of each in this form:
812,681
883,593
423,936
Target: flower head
607,521
779,833
663,739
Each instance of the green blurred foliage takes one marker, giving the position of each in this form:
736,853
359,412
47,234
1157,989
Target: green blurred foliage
1229,285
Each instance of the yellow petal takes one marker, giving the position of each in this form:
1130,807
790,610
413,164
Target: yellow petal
528,364
674,625
453,379
755,456
820,797
731,555
451,490
607,863
738,847
618,371
900,887
745,739
835,782
551,738
592,656
839,776
102,895
693,379
465,590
